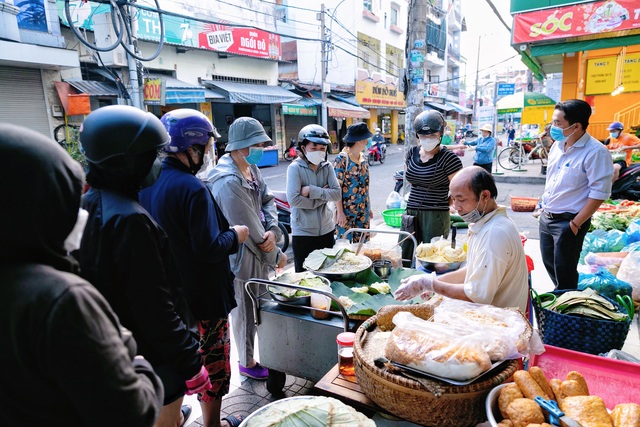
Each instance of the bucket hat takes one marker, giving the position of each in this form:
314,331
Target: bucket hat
357,132
245,132
487,127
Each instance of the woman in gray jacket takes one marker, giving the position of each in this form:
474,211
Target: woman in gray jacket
311,183
243,196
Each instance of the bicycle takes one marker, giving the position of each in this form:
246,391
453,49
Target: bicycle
66,131
520,153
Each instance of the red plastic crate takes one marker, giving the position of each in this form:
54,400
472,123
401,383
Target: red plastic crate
615,381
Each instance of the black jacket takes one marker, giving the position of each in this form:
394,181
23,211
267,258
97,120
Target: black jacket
63,360
125,254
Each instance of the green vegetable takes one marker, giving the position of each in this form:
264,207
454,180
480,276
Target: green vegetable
609,221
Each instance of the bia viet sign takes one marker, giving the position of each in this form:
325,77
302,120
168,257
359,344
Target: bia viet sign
576,20
220,38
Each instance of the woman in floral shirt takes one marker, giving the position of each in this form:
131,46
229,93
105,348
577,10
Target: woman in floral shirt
352,171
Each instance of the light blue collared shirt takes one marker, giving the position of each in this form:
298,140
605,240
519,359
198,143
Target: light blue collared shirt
583,172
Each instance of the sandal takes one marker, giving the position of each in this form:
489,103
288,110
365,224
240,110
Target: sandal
186,412
232,420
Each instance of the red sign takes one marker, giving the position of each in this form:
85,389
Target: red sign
576,20
240,41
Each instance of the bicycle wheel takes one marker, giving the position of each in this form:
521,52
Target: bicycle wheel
509,158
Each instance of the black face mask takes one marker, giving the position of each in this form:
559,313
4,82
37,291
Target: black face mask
196,166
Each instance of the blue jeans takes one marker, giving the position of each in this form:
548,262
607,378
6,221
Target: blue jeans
560,250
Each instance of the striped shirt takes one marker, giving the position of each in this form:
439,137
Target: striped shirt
430,181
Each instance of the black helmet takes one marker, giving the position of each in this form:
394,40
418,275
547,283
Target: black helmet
120,130
313,133
428,122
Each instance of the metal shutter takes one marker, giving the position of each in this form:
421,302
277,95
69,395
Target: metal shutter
22,99
293,124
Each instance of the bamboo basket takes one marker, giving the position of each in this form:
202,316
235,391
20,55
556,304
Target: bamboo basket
429,403
523,204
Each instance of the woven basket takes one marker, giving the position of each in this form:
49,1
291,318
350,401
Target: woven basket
393,217
579,333
429,402
523,204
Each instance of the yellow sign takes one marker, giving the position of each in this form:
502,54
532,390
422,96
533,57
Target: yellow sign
154,91
601,74
205,108
371,94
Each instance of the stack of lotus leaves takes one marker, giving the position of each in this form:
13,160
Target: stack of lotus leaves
587,303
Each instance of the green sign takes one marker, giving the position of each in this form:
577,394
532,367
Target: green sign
299,110
519,6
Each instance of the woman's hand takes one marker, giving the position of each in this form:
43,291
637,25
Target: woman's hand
269,242
341,218
282,262
304,191
242,231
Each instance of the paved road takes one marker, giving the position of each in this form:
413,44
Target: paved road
382,183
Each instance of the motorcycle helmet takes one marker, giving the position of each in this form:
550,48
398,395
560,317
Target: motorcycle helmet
428,122
313,133
615,126
186,127
120,131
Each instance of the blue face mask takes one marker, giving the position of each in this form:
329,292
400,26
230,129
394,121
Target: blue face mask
614,134
255,154
557,133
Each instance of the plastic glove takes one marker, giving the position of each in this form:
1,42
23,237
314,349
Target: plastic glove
414,285
199,383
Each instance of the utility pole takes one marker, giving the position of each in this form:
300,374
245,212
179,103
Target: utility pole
323,64
475,96
415,50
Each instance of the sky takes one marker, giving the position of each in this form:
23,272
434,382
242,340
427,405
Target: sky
494,42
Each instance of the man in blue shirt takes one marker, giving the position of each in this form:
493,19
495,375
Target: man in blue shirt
484,148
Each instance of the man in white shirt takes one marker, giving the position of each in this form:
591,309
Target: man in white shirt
496,270
579,176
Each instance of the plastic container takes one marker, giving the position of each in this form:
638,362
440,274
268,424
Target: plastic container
393,217
345,353
615,381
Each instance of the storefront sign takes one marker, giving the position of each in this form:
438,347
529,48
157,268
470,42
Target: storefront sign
154,91
205,108
299,110
219,38
601,74
576,20
379,95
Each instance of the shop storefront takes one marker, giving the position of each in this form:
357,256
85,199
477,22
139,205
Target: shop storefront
297,116
384,102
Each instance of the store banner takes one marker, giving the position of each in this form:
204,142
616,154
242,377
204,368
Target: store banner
575,20
601,74
299,110
154,91
370,94
219,38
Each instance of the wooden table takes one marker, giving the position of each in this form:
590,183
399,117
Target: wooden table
346,389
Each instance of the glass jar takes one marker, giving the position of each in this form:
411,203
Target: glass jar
345,352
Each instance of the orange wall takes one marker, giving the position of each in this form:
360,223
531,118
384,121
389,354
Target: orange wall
604,106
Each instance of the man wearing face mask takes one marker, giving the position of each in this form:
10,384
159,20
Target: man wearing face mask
311,184
126,255
496,270
241,192
429,169
621,142
202,241
579,176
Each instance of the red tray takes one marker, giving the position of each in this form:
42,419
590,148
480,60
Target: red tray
615,381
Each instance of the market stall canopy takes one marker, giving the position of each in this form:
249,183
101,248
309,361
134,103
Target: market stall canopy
247,93
339,109
459,108
441,107
95,88
180,92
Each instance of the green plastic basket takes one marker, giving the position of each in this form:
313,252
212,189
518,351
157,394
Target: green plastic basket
393,217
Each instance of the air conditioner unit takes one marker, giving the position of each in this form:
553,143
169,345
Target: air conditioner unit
105,36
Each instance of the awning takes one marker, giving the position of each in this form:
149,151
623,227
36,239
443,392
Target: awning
337,108
246,93
459,108
179,92
94,88
441,107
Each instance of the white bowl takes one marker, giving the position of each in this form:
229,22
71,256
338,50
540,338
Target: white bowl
491,405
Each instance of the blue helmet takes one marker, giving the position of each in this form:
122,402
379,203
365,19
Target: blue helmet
186,127
615,126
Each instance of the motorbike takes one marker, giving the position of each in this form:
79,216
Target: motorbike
459,135
376,155
290,153
398,176
284,218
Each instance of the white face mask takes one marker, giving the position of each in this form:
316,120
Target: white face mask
429,143
315,157
72,242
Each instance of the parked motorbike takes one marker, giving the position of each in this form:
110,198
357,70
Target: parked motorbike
284,218
290,153
459,135
398,176
376,155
